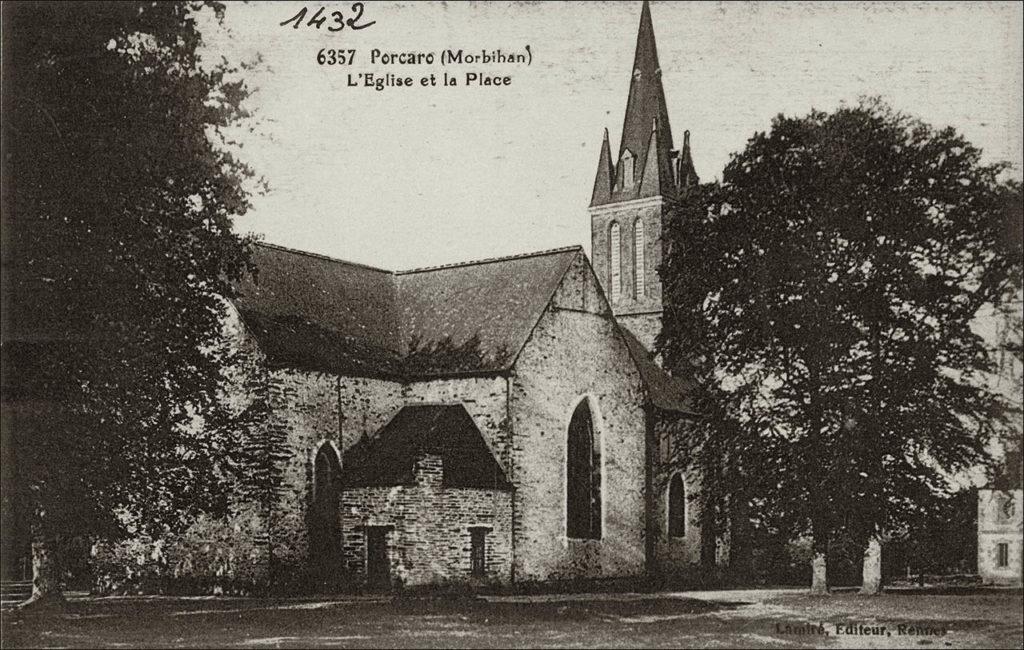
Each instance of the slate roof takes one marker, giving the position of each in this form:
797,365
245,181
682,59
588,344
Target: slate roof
663,390
488,308
388,457
318,313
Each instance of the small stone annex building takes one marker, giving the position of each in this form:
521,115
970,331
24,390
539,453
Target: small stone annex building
501,420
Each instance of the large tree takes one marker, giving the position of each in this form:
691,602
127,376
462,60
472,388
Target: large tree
119,193
825,291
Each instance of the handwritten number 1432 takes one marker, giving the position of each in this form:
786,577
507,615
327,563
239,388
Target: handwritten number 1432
337,19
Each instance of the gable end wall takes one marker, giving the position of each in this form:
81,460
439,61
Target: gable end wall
575,352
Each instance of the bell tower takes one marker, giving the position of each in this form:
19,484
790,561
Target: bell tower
633,192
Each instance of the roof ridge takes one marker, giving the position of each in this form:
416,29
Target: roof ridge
420,269
448,404
491,260
328,258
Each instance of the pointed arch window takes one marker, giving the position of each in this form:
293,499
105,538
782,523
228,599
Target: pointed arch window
628,169
583,476
639,263
614,261
676,507
324,523
326,473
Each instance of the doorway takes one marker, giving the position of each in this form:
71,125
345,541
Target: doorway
378,565
478,551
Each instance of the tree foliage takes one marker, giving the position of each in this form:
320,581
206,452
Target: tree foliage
824,293
118,251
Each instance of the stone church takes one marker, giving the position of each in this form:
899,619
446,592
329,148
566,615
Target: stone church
502,420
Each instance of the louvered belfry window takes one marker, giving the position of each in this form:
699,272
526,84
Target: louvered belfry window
639,266
583,489
614,261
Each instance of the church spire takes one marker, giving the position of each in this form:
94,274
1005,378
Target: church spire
645,106
646,95
634,193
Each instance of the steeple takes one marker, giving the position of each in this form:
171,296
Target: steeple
645,107
634,192
605,175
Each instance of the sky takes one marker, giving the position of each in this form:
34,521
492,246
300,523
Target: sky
417,176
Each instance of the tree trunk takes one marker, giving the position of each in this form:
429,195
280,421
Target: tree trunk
819,575
741,553
708,534
819,559
871,577
708,542
46,578
820,517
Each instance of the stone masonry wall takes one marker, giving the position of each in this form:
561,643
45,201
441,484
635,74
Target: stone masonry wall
314,409
576,353
645,327
317,409
676,556
429,539
626,215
